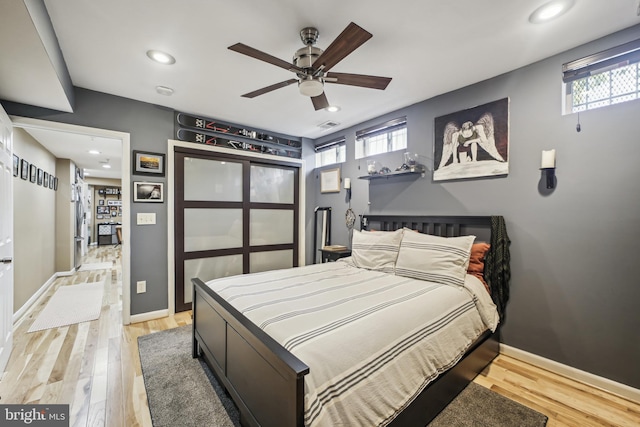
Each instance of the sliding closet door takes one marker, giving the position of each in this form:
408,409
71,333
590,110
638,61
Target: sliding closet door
234,215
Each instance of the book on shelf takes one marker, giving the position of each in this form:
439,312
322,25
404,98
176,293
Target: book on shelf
335,248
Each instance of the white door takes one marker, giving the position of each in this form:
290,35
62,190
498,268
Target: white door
6,238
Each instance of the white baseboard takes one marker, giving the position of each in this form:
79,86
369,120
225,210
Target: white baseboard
575,374
17,316
152,315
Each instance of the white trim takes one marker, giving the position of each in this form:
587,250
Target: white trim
65,273
17,316
575,374
172,143
124,137
151,315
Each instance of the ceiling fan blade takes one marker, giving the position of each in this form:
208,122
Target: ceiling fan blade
269,88
320,101
255,53
349,40
373,82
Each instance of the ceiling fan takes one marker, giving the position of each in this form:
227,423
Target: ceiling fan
312,65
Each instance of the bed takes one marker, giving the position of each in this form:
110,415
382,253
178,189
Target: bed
259,365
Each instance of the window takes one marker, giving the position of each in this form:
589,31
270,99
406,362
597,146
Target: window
602,79
331,152
383,138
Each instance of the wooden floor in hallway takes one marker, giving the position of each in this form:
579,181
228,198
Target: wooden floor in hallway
95,367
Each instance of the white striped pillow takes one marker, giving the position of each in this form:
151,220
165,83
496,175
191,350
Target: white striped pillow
376,250
433,258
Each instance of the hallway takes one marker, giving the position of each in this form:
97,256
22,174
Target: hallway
92,366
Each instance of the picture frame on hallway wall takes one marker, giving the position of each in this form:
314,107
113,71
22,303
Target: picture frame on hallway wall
148,192
33,172
148,163
16,165
24,169
472,143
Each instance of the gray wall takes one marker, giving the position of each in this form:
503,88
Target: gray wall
575,286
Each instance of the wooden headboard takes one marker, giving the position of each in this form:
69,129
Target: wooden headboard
490,229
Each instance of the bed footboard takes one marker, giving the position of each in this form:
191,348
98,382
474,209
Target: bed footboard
265,380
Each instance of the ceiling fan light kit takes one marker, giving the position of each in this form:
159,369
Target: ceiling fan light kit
311,87
311,65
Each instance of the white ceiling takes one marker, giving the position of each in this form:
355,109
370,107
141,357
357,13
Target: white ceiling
428,47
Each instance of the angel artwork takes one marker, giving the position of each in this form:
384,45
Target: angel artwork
472,143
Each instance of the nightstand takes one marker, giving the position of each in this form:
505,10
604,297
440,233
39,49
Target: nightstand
334,255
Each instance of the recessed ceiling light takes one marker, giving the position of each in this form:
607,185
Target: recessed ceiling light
94,152
161,57
163,90
550,10
333,108
106,166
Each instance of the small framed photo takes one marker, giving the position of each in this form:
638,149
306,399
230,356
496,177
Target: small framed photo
24,169
33,172
148,192
51,179
102,210
16,165
45,179
98,216
330,181
55,183
146,163
114,213
101,202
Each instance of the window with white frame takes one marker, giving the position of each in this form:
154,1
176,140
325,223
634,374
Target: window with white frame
382,138
605,78
331,152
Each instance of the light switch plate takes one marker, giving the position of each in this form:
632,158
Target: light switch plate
141,286
146,218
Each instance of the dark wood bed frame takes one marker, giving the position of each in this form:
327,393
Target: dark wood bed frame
266,381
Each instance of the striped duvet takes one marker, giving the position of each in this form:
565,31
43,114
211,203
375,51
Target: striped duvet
373,341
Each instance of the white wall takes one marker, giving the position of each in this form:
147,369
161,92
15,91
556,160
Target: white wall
34,216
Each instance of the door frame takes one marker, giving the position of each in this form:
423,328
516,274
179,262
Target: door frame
124,137
172,144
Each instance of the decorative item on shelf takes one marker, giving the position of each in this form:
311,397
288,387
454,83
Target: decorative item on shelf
548,166
412,161
372,167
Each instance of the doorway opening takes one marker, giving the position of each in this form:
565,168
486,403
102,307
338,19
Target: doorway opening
123,138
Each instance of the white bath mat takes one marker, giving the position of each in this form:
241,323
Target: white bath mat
69,305
96,266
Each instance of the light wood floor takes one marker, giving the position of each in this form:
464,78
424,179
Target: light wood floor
95,368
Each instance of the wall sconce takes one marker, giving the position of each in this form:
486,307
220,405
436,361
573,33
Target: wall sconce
347,186
548,165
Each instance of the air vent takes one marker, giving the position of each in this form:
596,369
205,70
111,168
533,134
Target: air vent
328,124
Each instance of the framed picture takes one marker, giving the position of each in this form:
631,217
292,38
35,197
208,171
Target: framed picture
45,179
102,210
33,172
16,165
114,213
101,202
98,216
472,143
101,191
146,163
148,192
55,183
330,181
24,169
114,202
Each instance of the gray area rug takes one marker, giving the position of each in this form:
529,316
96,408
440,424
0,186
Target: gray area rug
182,391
